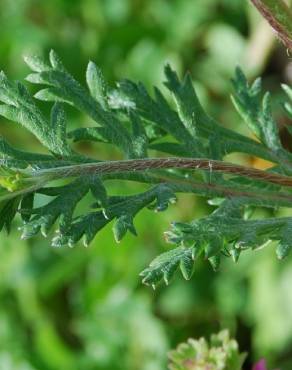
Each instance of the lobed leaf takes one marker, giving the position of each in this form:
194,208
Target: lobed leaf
137,123
165,265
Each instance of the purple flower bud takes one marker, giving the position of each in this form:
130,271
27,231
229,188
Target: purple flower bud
261,365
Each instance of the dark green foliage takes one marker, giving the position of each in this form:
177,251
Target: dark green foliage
256,111
165,265
133,121
223,233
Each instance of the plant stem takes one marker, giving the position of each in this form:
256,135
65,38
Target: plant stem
162,163
279,15
136,170
255,197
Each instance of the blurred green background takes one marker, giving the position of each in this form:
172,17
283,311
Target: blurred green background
86,309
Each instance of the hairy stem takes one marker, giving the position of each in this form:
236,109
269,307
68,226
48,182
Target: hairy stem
163,163
180,185
279,15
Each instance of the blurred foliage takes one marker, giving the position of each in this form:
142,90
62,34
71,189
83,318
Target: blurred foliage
85,308
220,353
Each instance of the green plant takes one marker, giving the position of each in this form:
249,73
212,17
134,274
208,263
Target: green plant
134,122
221,353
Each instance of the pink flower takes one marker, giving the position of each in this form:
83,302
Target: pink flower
261,365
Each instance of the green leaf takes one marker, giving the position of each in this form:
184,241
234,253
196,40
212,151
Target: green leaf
88,134
20,107
67,193
215,245
164,197
99,192
140,140
8,211
157,111
26,206
36,63
56,62
165,265
288,105
256,112
62,208
96,84
215,262
189,108
58,128
123,224
64,88
85,226
285,244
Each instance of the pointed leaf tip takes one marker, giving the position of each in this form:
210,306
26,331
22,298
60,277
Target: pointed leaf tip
96,84
36,63
56,61
283,250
